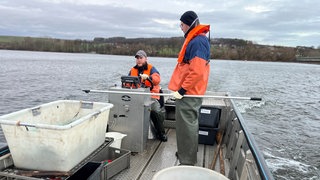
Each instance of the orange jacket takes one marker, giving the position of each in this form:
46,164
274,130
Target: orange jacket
155,77
192,76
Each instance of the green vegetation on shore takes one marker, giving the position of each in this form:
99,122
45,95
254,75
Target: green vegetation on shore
221,48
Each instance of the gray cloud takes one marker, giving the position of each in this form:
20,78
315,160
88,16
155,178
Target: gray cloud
274,22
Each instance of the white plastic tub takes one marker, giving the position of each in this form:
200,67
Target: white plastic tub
55,136
188,173
117,139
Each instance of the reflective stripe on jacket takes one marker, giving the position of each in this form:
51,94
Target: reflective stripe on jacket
155,77
192,70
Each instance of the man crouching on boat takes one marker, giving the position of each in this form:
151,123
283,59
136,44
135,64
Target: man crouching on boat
150,78
190,77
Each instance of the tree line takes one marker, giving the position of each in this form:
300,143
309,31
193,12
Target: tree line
221,48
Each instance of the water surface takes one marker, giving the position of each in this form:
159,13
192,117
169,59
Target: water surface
285,124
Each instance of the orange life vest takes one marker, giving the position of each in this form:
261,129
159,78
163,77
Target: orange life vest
155,79
192,76
200,29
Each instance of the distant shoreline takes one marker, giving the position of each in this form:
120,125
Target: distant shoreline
215,59
221,48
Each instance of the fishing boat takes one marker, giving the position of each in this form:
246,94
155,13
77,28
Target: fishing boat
226,148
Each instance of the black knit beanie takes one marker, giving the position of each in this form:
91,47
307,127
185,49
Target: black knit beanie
188,17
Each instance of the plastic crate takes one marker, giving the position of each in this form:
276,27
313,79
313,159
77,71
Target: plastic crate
120,160
5,161
90,171
207,135
209,116
84,170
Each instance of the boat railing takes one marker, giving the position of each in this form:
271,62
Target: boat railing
242,150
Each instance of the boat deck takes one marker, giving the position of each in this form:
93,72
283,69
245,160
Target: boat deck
159,155
240,157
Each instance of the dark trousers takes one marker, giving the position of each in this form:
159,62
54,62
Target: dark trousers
187,127
157,118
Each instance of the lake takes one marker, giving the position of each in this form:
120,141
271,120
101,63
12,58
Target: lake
285,124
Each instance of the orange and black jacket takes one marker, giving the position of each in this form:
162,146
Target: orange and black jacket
191,73
154,76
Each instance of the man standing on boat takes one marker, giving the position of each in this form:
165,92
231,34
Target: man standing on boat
190,77
150,78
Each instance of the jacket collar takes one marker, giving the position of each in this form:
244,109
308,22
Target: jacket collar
200,29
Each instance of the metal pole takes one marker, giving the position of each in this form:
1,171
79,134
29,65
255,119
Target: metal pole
166,94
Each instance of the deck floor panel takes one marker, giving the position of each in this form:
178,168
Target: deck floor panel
163,157
138,161
160,155
208,155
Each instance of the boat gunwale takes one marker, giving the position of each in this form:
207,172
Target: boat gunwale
259,159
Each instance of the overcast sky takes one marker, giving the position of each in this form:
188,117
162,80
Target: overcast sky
272,22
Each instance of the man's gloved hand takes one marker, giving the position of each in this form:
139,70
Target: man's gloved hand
177,95
144,76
